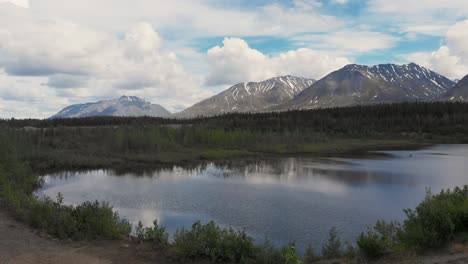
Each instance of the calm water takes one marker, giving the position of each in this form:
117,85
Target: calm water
285,199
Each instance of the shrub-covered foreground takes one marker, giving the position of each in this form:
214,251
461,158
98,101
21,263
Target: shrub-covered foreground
433,224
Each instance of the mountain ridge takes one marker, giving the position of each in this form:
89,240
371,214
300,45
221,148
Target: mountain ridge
359,84
249,97
130,106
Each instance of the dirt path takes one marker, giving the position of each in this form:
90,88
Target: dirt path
21,244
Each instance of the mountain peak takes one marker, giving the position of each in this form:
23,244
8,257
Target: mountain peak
123,106
125,98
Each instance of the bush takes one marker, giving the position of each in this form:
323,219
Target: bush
266,253
333,248
210,241
291,256
309,256
98,220
89,220
371,245
437,219
379,240
155,234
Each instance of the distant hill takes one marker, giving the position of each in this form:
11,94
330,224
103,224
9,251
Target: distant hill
249,97
123,106
459,92
358,84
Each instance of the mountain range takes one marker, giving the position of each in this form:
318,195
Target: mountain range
123,106
350,85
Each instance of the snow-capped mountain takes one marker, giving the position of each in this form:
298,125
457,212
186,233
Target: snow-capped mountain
123,106
249,97
358,84
459,92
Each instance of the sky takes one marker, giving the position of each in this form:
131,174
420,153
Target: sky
54,53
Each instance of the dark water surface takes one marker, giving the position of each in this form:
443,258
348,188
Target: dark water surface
284,199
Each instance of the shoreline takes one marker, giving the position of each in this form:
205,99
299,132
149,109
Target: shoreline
338,148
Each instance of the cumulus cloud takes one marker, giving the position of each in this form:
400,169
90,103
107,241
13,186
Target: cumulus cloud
451,59
80,62
236,62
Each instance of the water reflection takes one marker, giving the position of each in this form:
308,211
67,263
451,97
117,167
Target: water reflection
286,199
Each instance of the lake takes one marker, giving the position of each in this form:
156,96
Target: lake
284,199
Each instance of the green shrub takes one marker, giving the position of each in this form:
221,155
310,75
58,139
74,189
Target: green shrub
291,256
210,241
379,240
266,253
309,256
155,234
349,251
333,248
437,219
371,245
98,220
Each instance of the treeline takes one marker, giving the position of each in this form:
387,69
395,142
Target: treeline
441,118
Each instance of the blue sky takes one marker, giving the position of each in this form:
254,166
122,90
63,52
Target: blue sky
54,53
355,11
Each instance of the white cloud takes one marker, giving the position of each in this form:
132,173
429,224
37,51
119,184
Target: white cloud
419,7
431,29
20,3
23,97
431,17
348,41
341,1
451,59
236,62
80,63
188,18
